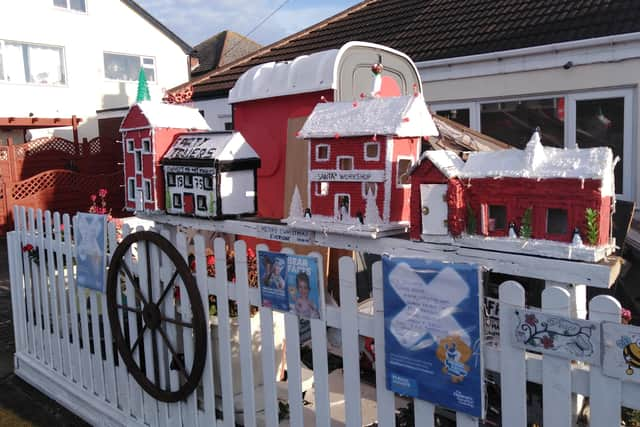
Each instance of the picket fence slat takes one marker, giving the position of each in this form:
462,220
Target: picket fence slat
350,342
17,292
62,296
44,291
320,362
111,384
70,284
424,413
52,301
35,277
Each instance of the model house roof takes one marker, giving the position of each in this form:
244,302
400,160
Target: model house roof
210,146
429,29
220,49
398,116
446,161
161,115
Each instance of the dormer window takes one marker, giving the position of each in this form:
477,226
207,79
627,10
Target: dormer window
77,5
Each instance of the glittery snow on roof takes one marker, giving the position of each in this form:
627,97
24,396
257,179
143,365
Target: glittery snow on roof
221,146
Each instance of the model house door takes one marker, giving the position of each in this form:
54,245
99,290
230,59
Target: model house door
139,199
342,206
188,203
434,208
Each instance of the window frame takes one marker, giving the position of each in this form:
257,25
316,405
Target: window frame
201,197
68,7
141,59
398,184
174,197
505,227
131,195
189,177
130,145
26,67
146,182
317,149
339,158
207,179
137,160
568,230
148,149
318,189
370,158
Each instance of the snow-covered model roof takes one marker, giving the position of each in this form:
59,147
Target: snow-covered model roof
161,115
306,73
220,146
403,116
446,161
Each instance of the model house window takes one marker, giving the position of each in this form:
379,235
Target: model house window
171,179
207,182
322,188
369,187
345,163
130,147
322,153
127,67
147,191
402,178
78,5
201,203
177,200
372,151
497,217
131,189
146,145
31,63
138,161
557,221
188,181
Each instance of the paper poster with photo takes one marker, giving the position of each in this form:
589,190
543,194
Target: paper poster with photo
433,332
621,347
91,239
272,272
491,320
303,288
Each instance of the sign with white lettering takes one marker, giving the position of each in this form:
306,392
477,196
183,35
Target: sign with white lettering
353,175
189,169
283,233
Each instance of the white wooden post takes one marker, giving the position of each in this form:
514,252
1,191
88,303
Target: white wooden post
513,374
606,392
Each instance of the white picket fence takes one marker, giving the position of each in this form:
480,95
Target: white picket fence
64,348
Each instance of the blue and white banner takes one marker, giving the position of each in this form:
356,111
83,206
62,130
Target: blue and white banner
91,238
432,332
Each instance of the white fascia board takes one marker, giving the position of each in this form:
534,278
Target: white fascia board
579,52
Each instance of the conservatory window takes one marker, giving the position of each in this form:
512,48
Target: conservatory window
127,67
31,63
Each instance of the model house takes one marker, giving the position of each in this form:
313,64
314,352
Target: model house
148,130
210,175
524,201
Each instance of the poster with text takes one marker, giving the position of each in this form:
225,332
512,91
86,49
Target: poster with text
91,238
621,348
302,285
272,271
432,332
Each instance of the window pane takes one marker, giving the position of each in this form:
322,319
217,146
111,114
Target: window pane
513,122
78,5
497,217
147,61
557,221
147,190
121,67
323,152
14,63
600,122
202,203
45,65
403,171
459,115
177,200
345,163
150,74
60,3
371,151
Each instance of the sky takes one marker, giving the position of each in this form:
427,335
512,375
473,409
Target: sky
196,20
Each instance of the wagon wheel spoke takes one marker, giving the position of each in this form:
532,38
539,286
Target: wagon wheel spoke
174,353
177,322
166,290
134,281
133,349
127,308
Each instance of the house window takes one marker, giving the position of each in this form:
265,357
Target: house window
146,145
322,152
369,187
207,182
177,201
171,179
458,115
371,151
402,178
322,188
201,202
127,67
497,217
78,5
31,63
345,163
138,161
188,181
131,189
130,148
147,191
557,221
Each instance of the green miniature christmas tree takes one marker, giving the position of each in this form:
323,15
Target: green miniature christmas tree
525,226
471,220
143,87
591,215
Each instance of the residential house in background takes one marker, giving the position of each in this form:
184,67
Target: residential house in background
500,67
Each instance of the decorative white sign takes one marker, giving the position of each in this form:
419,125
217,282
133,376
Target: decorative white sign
573,339
283,233
189,169
621,347
353,175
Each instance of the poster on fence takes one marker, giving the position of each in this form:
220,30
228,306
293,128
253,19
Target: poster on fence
491,322
621,348
560,336
432,332
290,283
91,238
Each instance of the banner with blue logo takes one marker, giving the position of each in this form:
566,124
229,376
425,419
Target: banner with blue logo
432,332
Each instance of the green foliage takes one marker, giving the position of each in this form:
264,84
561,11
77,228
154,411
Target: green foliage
471,220
525,226
591,215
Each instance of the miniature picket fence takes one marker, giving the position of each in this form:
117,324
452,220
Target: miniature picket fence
62,348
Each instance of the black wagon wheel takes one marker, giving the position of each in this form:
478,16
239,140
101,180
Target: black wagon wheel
151,319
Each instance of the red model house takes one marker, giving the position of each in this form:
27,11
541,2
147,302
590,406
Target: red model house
517,200
359,156
148,130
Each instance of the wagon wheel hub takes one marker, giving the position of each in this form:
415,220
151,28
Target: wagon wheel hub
151,316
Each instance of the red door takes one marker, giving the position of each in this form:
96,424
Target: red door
188,203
